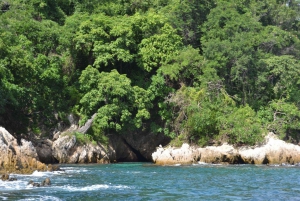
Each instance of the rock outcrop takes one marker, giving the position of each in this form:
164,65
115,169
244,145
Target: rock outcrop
46,182
272,151
20,158
129,147
170,156
6,177
66,150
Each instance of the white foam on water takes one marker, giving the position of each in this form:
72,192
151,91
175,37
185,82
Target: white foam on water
40,174
74,170
202,163
42,198
275,165
3,198
94,187
178,164
12,185
59,172
133,172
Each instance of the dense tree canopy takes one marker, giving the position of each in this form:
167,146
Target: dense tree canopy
198,71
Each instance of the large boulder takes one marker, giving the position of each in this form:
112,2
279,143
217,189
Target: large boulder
171,156
18,157
66,150
46,182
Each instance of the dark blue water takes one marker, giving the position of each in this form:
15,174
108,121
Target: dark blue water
145,181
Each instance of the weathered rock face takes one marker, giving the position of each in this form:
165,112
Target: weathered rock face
220,154
16,157
170,156
273,151
66,150
44,151
123,152
129,147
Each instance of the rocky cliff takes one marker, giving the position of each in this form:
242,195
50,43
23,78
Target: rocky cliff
272,151
64,148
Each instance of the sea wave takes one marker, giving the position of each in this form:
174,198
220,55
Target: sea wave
94,187
40,174
74,170
13,185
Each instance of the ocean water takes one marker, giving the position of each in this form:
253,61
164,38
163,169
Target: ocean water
145,181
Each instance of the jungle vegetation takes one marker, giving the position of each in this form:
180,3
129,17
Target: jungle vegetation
197,71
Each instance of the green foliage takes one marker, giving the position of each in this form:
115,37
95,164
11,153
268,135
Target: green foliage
186,16
83,139
118,104
235,42
241,126
283,72
186,67
210,113
198,71
159,48
282,118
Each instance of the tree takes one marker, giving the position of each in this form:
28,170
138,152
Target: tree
119,106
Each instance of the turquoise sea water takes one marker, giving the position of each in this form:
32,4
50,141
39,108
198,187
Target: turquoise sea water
145,181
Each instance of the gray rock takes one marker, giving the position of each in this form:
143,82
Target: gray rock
46,182
5,177
65,150
12,179
32,183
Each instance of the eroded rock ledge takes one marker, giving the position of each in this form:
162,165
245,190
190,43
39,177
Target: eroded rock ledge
272,151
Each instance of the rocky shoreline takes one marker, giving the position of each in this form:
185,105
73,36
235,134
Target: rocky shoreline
271,151
25,157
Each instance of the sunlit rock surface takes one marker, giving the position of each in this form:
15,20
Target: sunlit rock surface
66,150
19,158
272,151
